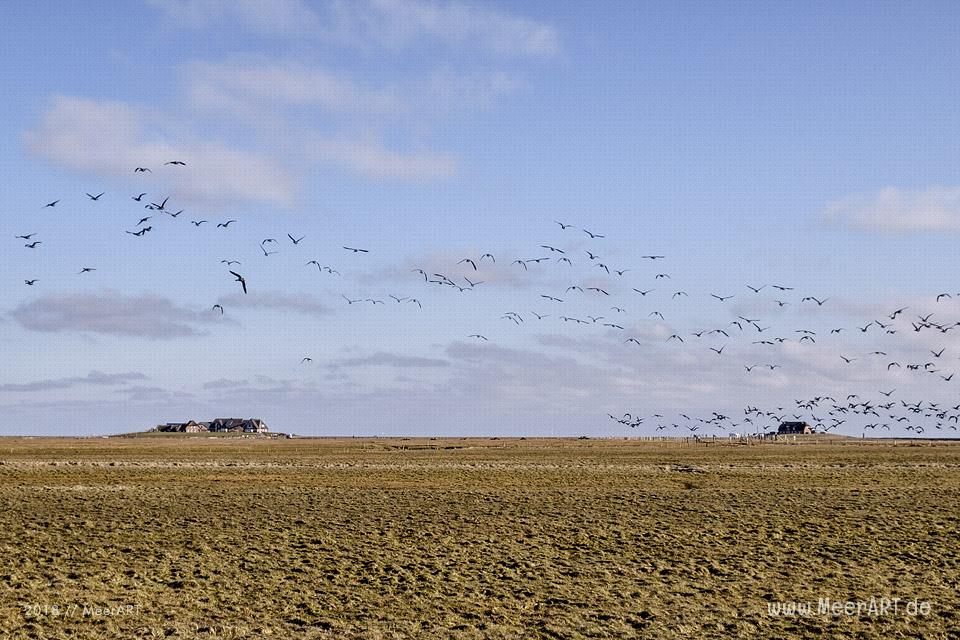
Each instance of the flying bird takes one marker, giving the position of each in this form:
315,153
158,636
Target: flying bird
239,278
295,240
225,224
96,197
356,250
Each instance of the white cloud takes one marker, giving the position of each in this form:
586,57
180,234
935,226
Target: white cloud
112,138
395,24
276,17
372,159
237,85
933,209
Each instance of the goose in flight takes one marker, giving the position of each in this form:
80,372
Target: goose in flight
26,237
478,336
96,197
197,223
357,250
470,262
564,226
593,235
177,162
295,240
138,198
33,245
86,270
141,170
217,306
30,283
225,224
239,278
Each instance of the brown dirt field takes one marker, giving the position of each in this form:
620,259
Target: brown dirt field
473,538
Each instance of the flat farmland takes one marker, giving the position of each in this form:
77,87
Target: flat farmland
196,537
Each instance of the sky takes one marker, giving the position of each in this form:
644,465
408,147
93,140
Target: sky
807,146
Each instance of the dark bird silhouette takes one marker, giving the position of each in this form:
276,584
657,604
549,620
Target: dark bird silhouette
349,301
197,223
229,262
86,270
239,278
554,249
356,250
33,245
142,220
30,283
139,197
478,336
470,262
756,289
177,162
295,240
225,224
51,204
593,235
488,255
96,197
643,293
720,298
161,206
306,360
26,237
141,170
564,226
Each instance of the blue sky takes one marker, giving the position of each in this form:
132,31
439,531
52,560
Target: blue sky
750,143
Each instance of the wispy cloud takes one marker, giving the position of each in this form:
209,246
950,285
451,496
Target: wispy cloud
112,138
277,17
936,208
389,24
384,359
92,378
396,24
111,313
304,303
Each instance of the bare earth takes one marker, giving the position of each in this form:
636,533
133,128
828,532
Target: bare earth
193,537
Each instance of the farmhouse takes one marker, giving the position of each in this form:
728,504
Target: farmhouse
794,428
234,425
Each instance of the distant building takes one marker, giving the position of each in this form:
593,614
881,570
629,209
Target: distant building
239,425
788,428
229,425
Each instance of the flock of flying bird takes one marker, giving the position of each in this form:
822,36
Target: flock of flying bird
600,288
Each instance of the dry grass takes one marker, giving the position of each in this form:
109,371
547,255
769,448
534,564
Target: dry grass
214,538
